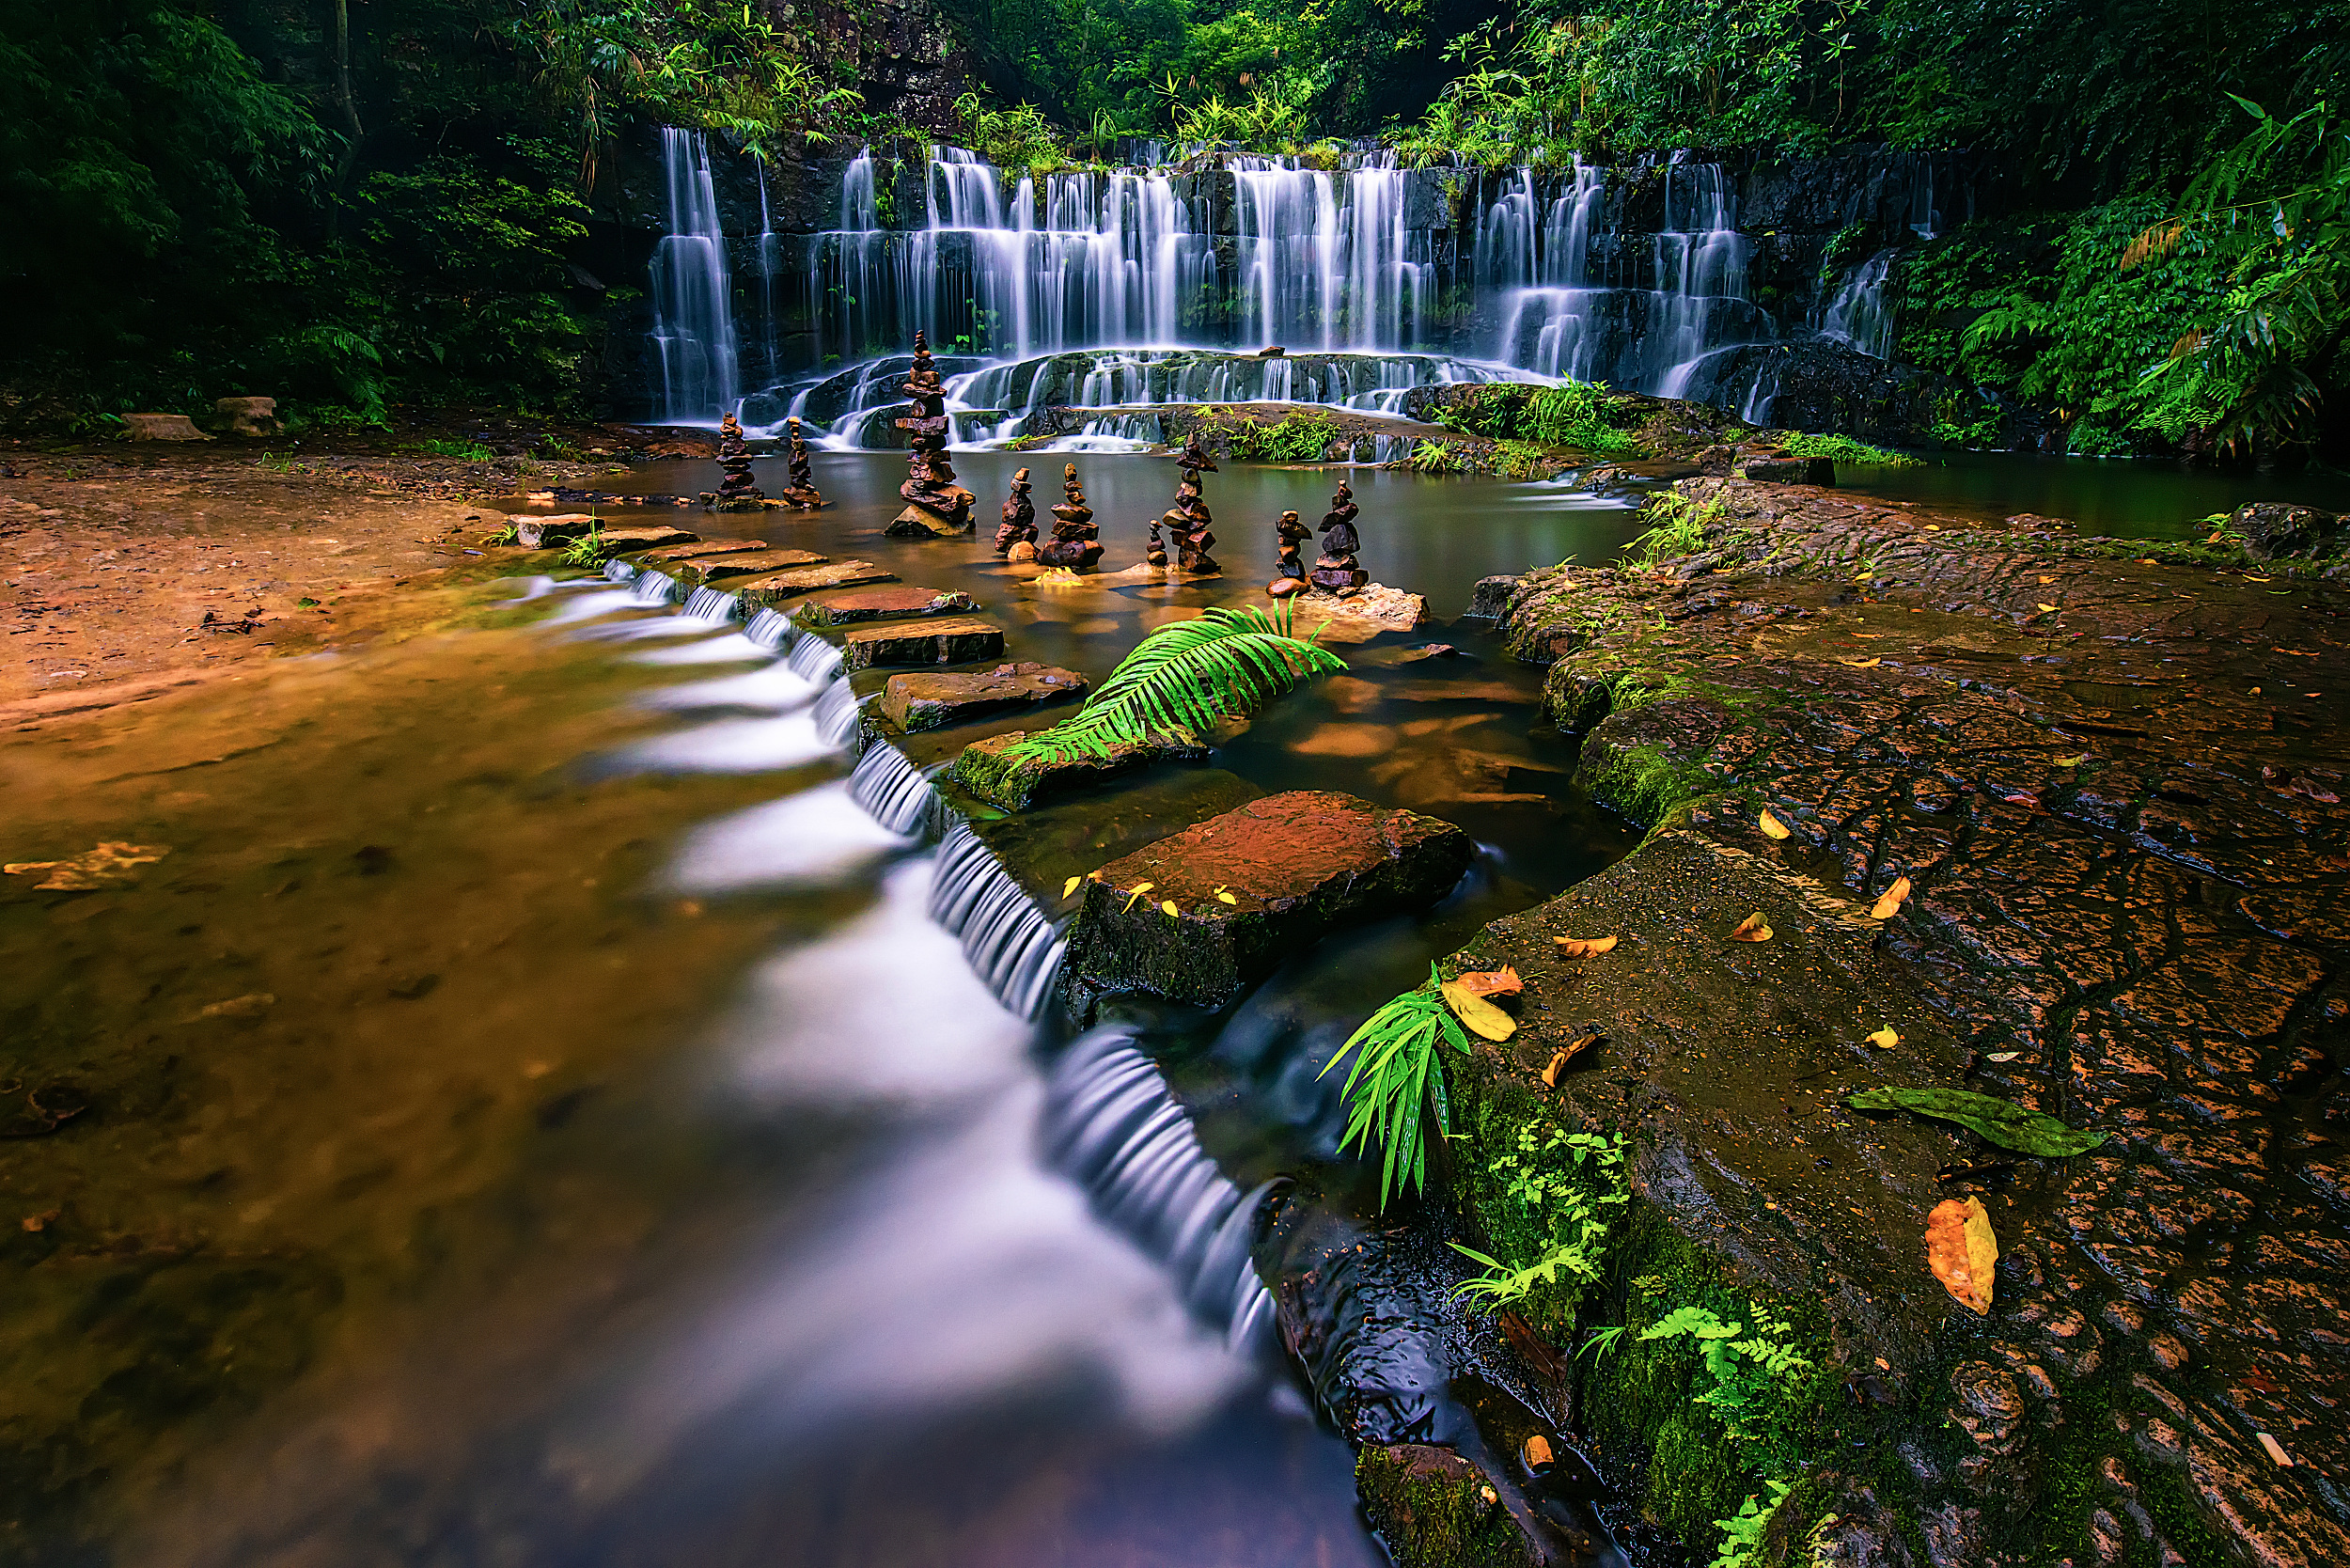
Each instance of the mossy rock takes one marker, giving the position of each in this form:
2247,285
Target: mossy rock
1434,1510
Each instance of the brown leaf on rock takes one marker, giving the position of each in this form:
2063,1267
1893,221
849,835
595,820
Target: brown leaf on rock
111,864
1890,901
1583,947
1503,981
1538,1455
1960,1250
1752,929
1565,1055
1479,1015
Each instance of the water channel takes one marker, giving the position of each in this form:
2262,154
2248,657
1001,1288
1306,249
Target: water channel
538,1115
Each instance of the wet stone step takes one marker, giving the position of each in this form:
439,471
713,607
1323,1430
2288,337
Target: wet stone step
936,642
699,548
752,563
913,702
998,772
1249,889
774,588
546,533
883,603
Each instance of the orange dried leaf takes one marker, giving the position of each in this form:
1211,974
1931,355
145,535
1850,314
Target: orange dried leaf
1503,981
1752,929
1566,1053
1960,1250
1538,1456
1890,901
1772,828
1584,946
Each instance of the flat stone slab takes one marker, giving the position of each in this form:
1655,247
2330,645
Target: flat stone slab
701,547
756,562
1296,867
915,703
883,603
1360,616
990,770
934,642
546,533
776,587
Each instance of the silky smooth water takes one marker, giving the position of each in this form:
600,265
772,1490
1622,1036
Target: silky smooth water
538,1113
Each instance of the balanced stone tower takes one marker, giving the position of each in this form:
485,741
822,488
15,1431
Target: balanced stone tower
1188,517
936,507
1015,536
802,492
1337,571
1289,575
1076,543
735,491
1154,553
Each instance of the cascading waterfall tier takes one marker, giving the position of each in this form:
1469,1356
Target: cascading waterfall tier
1227,277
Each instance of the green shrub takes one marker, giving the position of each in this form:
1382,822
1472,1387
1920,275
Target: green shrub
1434,456
1300,436
1843,449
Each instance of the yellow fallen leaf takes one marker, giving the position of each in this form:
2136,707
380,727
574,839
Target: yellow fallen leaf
1565,1055
1772,827
1166,906
1962,1251
1884,1039
1583,947
1752,929
1892,899
2269,1446
1226,898
1135,897
2071,761
2047,579
1070,886
2049,608
1478,1013
1861,664
111,864
1503,981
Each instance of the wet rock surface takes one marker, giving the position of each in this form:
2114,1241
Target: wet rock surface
913,702
883,603
958,641
994,772
1250,887
749,563
2113,775
774,588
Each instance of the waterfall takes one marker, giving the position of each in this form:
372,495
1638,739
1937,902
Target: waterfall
892,789
813,659
771,630
1111,1126
1859,313
1009,940
835,712
693,303
709,603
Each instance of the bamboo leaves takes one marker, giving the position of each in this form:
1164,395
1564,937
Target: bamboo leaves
2002,1122
1395,1078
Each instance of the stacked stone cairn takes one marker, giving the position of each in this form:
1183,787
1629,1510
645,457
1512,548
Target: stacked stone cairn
1337,571
735,491
1076,543
1290,574
1154,553
936,507
802,492
1015,536
1188,517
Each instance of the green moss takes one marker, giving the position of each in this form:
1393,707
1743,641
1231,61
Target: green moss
1436,1516
1643,782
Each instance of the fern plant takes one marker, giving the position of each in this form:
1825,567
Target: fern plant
587,549
1182,680
1742,1532
1395,1079
1742,1372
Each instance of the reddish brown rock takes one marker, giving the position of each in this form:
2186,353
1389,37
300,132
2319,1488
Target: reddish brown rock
915,703
934,642
701,547
883,603
1295,867
774,588
753,563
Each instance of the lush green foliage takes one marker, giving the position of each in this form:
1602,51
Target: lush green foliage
1551,1190
1742,1532
1583,416
1743,1375
1396,1082
1300,435
1843,449
1676,528
1184,678
1436,457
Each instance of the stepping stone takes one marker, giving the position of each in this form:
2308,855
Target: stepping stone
1778,468
702,547
1296,866
882,603
1360,616
755,562
990,769
640,536
546,533
761,592
935,642
915,703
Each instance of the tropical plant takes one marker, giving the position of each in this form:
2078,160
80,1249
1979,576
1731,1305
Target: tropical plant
587,549
1300,436
1396,1083
1843,449
1014,138
471,451
1741,1373
1742,1532
1676,528
1182,680
1554,1205
1436,457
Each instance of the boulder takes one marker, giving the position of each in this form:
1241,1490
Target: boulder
915,703
1294,867
2274,530
546,533
641,535
161,426
1434,1507
1360,616
761,592
883,603
928,642
1015,783
248,415
1490,600
1778,468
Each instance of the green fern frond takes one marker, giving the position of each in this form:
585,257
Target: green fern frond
1182,680
1394,1076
